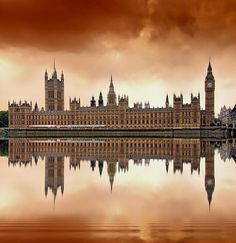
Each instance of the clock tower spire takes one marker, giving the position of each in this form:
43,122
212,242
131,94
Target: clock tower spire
209,95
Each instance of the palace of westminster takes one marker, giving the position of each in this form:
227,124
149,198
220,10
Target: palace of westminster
116,113
114,155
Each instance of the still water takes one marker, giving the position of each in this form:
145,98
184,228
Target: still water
117,190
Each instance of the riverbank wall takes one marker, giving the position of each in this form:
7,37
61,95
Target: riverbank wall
210,132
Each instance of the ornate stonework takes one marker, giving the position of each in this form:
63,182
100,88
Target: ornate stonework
113,115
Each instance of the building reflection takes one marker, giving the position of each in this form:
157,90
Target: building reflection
54,174
115,154
227,150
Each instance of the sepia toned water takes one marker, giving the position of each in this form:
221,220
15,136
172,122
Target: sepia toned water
117,190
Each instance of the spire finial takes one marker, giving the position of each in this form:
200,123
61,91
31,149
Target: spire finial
54,65
111,183
54,75
46,74
62,76
111,88
209,65
54,201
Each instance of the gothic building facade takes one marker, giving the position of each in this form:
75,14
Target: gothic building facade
116,113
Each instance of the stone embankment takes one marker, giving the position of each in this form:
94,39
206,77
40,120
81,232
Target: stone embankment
211,132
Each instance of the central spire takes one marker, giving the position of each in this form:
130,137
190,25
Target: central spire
54,65
54,75
111,96
111,88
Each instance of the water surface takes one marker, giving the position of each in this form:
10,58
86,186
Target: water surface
119,190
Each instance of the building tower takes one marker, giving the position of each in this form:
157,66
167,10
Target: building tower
209,171
54,92
209,96
54,174
93,102
100,100
111,96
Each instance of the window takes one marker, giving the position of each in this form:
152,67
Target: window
51,94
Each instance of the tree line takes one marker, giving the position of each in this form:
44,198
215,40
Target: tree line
3,119
3,148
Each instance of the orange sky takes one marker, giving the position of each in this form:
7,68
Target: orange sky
152,47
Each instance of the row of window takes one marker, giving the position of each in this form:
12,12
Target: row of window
51,95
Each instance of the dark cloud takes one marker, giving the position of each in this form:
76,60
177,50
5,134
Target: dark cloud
75,24
61,23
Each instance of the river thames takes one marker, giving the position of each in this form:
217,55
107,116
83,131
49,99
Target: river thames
117,190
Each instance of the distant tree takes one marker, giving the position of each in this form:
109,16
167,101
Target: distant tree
3,148
3,119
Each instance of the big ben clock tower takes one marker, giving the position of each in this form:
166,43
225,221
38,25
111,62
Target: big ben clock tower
209,96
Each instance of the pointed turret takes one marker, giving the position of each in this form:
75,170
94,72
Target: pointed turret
54,201
54,75
36,107
62,76
100,165
46,191
167,101
36,160
167,166
46,75
93,102
93,164
62,189
111,179
100,99
54,65
111,88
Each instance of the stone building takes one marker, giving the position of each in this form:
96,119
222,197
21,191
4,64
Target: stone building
116,113
233,116
224,116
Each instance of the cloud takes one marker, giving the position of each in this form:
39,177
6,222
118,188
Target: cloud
162,45
62,24
75,25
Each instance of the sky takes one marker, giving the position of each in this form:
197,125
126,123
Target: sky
151,47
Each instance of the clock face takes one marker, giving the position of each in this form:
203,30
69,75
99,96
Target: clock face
210,182
210,85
